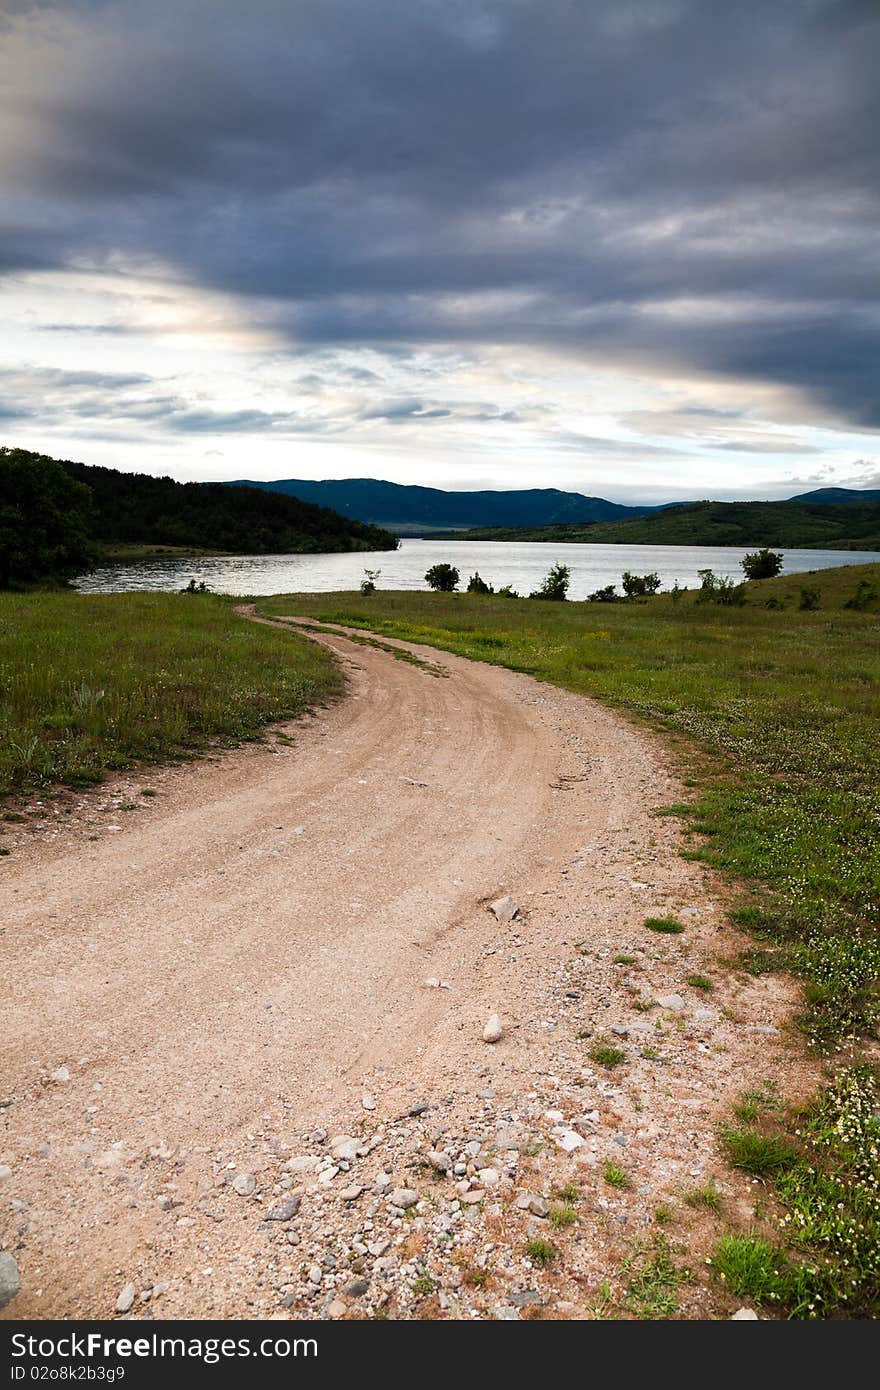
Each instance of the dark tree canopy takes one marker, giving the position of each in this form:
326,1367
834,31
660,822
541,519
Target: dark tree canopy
443,577
762,564
45,519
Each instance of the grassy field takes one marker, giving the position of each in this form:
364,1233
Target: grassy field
775,710
88,682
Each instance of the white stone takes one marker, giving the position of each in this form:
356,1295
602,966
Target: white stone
568,1140
493,1030
245,1184
505,909
345,1147
745,1315
126,1298
303,1163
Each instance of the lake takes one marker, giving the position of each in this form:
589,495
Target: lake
520,563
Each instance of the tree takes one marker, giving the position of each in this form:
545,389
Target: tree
478,585
443,577
368,583
555,584
640,585
762,564
607,595
44,521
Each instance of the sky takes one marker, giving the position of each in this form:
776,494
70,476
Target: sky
621,247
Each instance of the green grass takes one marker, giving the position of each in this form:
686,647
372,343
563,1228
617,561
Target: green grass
670,925
651,1291
615,1176
755,1152
706,1198
562,1217
700,982
541,1252
624,960
90,682
752,1268
606,1055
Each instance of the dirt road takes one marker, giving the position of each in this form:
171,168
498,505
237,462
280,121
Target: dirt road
194,989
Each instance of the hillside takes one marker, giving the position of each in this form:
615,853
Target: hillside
413,509
135,508
838,496
805,526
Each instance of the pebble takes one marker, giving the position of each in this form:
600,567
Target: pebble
493,1030
245,1184
440,1162
505,909
568,1140
5,1172
60,1074
404,1197
304,1163
355,1288
673,1002
368,1101
337,1308
343,1146
285,1211
351,1194
10,1279
745,1315
126,1298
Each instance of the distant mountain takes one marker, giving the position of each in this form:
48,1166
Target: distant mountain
411,509
136,508
838,496
795,525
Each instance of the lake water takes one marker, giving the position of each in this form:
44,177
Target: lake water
520,563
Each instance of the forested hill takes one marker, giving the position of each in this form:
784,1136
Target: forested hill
135,508
798,525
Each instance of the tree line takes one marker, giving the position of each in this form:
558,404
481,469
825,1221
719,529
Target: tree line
56,516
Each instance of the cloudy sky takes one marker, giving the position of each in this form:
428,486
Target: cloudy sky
625,247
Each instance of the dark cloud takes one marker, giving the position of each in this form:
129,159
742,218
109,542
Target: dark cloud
662,184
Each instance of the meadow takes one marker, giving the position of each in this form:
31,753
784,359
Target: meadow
88,683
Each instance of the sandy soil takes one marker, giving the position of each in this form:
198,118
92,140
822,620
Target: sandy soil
195,987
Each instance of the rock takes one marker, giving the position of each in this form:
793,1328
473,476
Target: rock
351,1194
568,1140
304,1163
403,1197
10,1279
416,1110
61,1075
440,1162
525,1299
327,1175
489,1177
368,1101
377,1248
285,1211
245,1184
355,1288
432,983
343,1146
292,1238
126,1298
337,1308
674,1002
538,1206
5,1172
315,1274
506,1314
493,1030
745,1315
505,909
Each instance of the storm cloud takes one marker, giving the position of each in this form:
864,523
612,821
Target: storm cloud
661,185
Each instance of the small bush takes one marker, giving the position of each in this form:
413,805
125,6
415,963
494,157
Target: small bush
700,982
809,600
640,585
707,1198
555,584
719,589
368,583
477,585
561,1217
607,595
